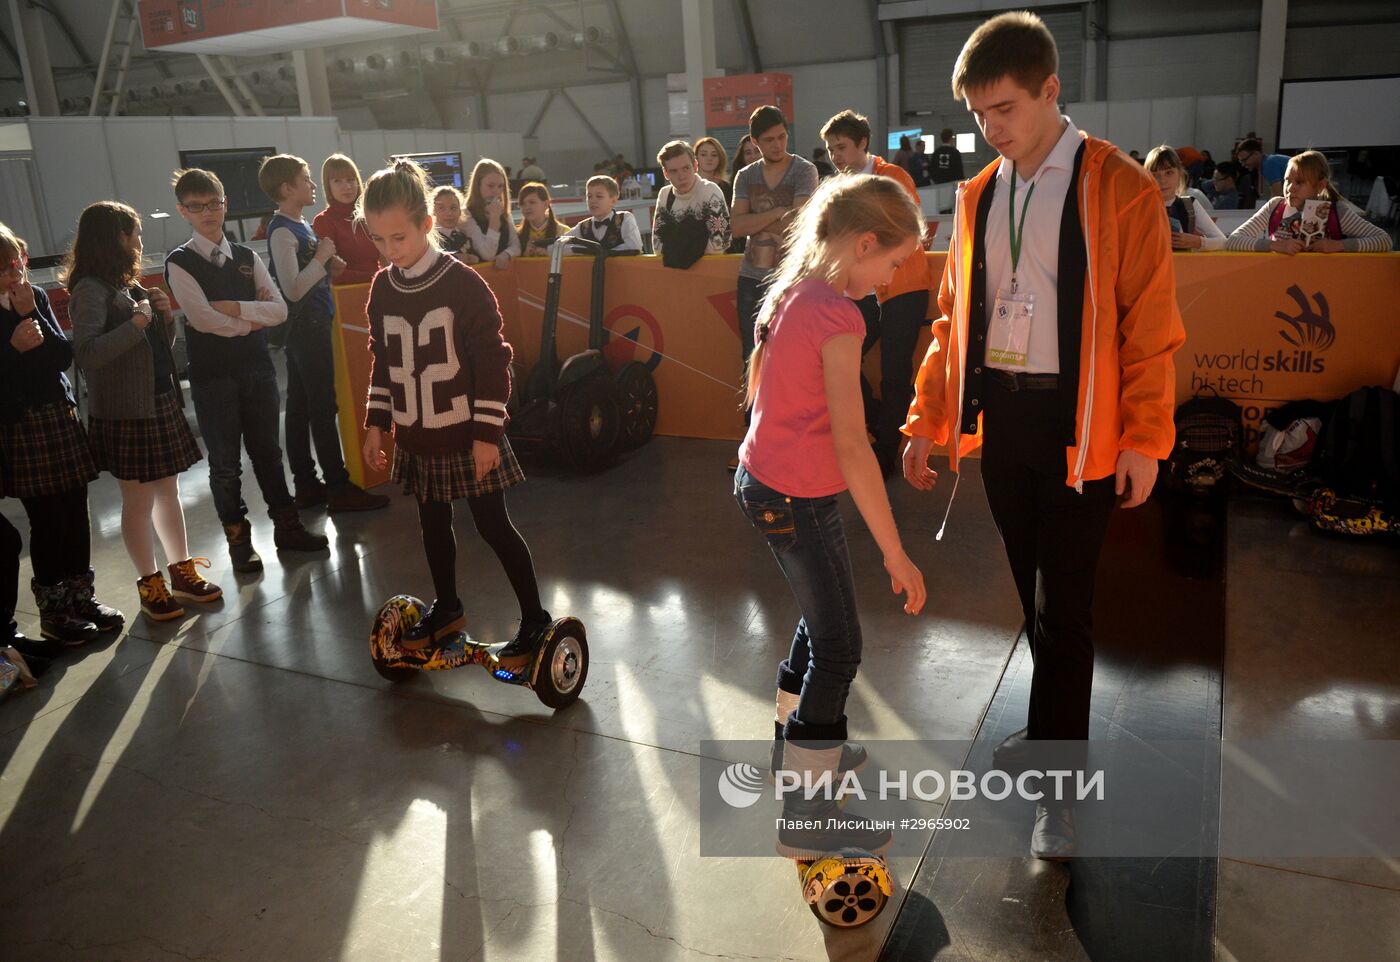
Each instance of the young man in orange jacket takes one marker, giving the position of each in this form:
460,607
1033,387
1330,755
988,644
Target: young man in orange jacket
893,313
1059,322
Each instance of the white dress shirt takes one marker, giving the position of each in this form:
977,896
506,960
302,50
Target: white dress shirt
296,281
1038,271
484,243
192,300
592,229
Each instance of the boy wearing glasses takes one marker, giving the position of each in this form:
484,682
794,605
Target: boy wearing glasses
229,300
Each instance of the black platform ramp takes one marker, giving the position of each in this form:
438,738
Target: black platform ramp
1159,631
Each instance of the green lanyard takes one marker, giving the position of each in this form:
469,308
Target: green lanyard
1017,235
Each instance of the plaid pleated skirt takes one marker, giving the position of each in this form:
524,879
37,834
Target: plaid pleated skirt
145,449
447,477
44,452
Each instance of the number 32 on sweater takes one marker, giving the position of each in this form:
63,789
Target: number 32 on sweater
435,329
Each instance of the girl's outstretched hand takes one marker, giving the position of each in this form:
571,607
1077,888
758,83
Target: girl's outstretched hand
907,579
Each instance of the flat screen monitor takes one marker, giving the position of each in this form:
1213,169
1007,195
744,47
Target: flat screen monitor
444,170
237,168
911,132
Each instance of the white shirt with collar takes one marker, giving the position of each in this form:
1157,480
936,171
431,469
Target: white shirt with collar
593,229
421,266
1038,270
192,300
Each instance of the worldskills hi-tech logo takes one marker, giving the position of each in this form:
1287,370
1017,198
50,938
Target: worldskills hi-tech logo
1307,332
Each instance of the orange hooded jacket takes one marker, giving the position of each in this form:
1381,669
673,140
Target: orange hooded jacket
1131,323
913,274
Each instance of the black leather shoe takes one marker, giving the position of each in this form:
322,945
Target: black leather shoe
1054,838
1014,752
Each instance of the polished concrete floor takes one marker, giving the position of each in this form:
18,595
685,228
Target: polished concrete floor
242,785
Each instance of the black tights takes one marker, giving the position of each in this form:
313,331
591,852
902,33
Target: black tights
60,541
493,524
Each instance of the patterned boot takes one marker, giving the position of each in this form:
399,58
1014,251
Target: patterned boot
57,622
83,598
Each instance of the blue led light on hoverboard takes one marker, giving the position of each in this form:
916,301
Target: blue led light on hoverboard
504,675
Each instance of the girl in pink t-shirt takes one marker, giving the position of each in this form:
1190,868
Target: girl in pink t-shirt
806,444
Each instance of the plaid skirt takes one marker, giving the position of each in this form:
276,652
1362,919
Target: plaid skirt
44,452
144,449
447,477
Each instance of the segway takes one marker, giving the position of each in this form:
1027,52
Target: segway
636,386
574,407
556,674
847,888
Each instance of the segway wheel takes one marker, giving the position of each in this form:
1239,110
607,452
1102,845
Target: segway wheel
845,895
563,664
639,405
393,619
589,424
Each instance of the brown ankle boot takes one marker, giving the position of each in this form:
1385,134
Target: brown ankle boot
240,547
156,601
187,585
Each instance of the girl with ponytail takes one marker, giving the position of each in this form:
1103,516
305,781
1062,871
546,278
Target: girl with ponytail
806,444
440,380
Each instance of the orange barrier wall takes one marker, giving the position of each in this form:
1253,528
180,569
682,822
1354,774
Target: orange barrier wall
1261,329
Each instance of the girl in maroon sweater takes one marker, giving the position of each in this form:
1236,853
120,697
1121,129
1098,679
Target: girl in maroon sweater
440,381
341,186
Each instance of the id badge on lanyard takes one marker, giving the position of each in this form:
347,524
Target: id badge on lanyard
1009,334
1009,330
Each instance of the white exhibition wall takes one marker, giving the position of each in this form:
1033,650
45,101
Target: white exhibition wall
79,160
1207,123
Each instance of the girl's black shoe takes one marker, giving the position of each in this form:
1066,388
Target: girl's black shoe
520,650
435,627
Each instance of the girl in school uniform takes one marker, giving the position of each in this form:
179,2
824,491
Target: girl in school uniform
1345,229
490,233
137,428
447,215
440,380
1193,229
806,443
44,458
538,227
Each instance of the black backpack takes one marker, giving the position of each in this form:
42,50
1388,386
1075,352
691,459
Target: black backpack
1209,435
1358,453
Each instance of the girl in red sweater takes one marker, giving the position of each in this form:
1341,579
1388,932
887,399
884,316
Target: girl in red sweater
440,381
341,186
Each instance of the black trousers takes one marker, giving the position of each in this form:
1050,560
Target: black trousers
895,325
10,545
60,540
1053,537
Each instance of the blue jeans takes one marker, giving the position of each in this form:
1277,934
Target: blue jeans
809,542
311,407
237,407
